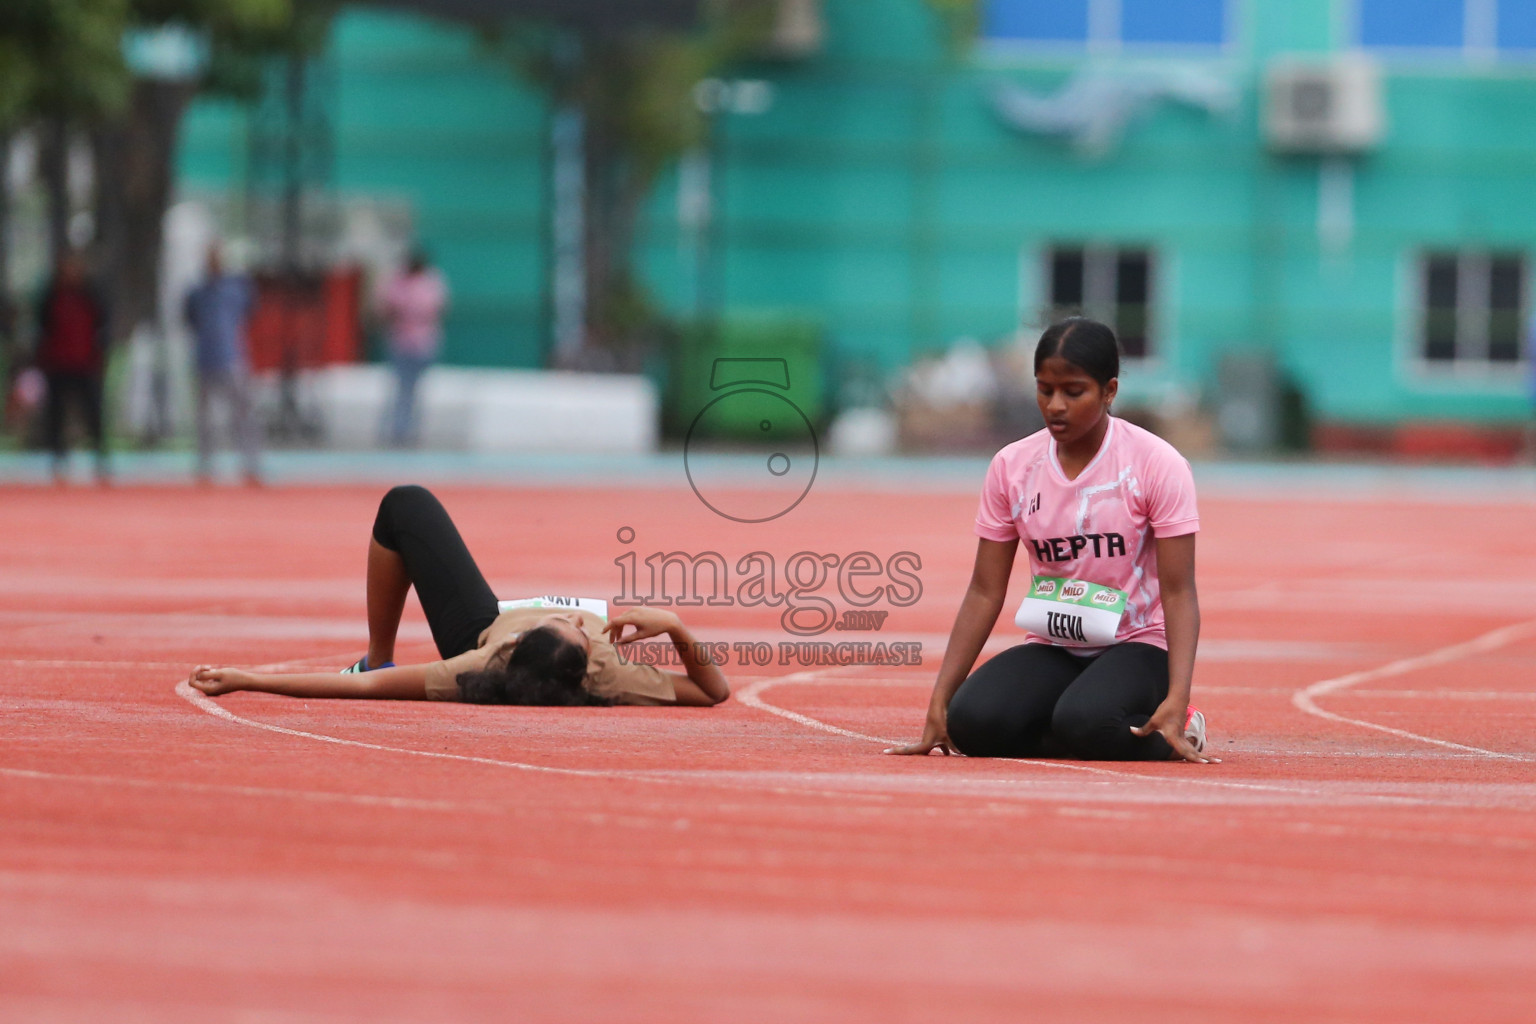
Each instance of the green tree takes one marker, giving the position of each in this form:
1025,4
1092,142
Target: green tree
961,19
633,88
135,153
60,63
61,57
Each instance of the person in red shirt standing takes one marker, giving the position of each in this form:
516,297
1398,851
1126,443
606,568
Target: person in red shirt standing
71,352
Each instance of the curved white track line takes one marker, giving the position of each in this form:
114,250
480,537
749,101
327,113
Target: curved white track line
186,691
202,701
751,697
1305,698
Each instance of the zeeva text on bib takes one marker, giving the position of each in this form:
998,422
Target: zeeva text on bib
1074,613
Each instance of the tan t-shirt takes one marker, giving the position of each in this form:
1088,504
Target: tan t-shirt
607,675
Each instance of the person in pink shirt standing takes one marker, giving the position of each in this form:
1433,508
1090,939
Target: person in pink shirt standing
1106,514
414,302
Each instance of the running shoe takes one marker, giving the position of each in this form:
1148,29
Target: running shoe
361,665
1194,728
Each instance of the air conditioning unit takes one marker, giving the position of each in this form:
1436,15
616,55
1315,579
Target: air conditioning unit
1323,107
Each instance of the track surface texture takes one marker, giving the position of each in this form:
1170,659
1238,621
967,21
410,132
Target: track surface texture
1367,852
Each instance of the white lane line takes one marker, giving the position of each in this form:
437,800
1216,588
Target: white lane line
180,625
1288,691
75,663
1305,699
323,662
924,681
206,703
313,796
202,701
1442,694
752,697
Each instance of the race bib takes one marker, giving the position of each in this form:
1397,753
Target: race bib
596,605
1072,613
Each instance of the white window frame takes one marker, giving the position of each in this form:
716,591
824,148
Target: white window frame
1460,374
1099,258
1479,38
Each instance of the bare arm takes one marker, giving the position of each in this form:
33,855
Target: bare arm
973,624
407,682
704,685
1181,615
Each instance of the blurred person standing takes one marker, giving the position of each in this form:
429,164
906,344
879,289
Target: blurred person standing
10,358
413,302
217,312
72,326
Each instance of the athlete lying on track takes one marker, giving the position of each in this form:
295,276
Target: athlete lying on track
1107,515
526,655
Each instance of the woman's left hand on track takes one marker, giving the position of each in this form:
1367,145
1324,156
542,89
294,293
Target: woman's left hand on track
648,622
214,681
1170,722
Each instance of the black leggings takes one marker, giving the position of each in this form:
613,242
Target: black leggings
82,390
458,602
1036,700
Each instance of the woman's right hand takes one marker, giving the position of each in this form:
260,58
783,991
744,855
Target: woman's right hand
935,734
647,622
214,681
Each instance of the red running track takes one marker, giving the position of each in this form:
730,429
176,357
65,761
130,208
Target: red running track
1366,853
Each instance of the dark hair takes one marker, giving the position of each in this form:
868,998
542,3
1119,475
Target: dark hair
1086,344
544,668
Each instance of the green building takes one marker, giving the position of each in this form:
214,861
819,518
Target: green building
1342,185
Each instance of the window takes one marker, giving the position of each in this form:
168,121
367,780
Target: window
1471,26
1516,25
1107,23
1043,20
1425,23
1173,21
1474,308
1109,284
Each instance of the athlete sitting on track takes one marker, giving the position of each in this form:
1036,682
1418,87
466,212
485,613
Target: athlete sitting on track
526,655
1107,514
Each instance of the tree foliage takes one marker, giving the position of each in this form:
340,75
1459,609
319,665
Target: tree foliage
215,15
961,19
240,52
635,91
62,58
62,69
135,154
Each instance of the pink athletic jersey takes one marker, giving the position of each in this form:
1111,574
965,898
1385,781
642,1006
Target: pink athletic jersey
1098,528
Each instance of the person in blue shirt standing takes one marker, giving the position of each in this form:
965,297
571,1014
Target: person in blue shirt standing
217,311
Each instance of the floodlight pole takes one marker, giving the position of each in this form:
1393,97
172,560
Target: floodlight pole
568,209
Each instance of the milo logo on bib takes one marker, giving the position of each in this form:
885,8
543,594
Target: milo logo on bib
1072,613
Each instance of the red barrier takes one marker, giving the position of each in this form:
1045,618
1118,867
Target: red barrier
306,320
